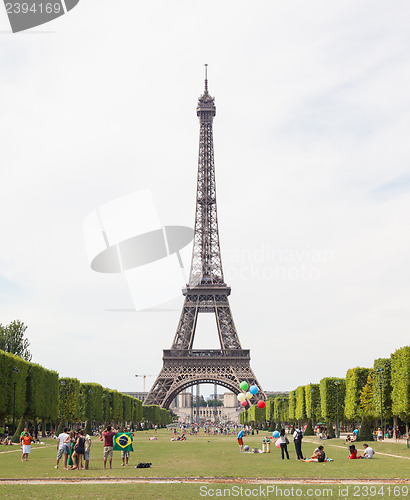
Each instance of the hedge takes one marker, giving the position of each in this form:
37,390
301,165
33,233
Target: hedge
356,379
400,381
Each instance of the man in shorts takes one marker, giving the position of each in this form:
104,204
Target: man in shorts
241,433
125,454
108,435
63,448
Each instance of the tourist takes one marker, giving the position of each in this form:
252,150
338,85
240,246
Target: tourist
284,441
71,442
63,448
125,455
368,452
353,452
297,439
78,451
379,434
241,433
26,442
87,446
318,455
108,435
397,434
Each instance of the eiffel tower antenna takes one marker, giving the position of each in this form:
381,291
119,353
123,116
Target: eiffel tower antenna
205,292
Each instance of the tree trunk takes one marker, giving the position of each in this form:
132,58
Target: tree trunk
43,428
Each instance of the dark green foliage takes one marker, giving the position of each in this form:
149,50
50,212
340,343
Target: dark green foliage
19,430
329,394
292,405
12,339
356,379
69,399
41,393
300,411
309,428
117,407
270,410
312,399
257,415
386,382
281,409
330,430
137,413
400,381
366,430
367,396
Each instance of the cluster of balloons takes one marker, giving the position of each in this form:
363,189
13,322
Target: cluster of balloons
275,434
245,396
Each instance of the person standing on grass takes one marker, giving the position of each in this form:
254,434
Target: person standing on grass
78,451
63,448
241,433
283,441
87,446
26,442
108,435
297,439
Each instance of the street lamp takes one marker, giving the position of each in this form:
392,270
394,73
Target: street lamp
380,372
15,371
337,383
62,410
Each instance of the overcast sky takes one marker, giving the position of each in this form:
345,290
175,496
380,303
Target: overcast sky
312,158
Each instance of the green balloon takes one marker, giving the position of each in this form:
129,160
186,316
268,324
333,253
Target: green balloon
244,386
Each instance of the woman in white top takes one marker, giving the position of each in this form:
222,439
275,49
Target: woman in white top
283,440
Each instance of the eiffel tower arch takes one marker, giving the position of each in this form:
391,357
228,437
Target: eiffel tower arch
206,292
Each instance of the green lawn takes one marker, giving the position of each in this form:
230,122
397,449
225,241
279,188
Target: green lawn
193,491
200,456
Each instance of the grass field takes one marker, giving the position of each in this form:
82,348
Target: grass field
202,457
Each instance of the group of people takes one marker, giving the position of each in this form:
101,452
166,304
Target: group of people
283,440
73,447
368,452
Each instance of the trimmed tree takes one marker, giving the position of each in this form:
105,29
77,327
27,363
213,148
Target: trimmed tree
400,381
356,379
331,398
382,388
300,411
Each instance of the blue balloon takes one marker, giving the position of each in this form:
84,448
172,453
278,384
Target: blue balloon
253,389
275,434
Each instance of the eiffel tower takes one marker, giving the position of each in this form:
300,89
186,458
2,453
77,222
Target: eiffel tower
206,292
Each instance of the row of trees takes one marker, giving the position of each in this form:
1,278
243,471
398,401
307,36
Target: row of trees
31,392
380,394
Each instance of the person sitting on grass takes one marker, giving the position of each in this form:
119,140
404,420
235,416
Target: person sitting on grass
353,452
368,452
318,455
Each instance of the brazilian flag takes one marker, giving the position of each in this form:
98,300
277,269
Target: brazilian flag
123,441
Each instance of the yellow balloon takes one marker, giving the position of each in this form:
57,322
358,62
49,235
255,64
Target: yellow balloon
241,396
249,395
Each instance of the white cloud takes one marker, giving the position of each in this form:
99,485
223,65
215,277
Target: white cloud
312,122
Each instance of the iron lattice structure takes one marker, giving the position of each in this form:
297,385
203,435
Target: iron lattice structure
206,292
